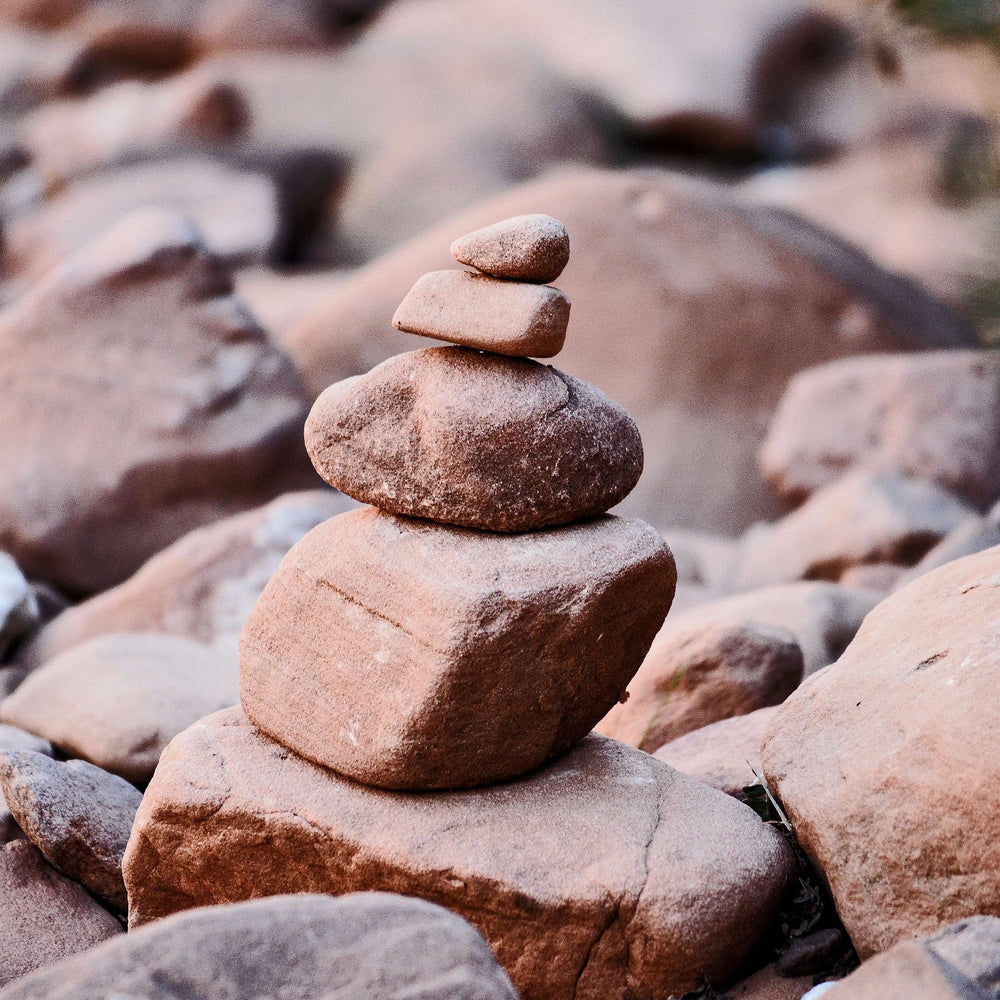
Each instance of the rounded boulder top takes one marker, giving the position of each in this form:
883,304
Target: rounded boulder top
523,248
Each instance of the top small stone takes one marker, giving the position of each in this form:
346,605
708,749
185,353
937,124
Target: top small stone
525,248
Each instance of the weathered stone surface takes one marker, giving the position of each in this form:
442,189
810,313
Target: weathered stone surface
236,211
714,362
166,409
231,815
823,616
18,607
366,946
722,753
524,248
862,518
43,915
77,815
885,748
117,700
408,655
202,587
933,416
475,440
475,310
961,962
693,676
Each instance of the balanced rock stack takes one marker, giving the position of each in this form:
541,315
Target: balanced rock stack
467,628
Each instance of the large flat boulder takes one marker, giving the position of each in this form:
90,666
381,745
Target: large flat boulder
885,749
603,874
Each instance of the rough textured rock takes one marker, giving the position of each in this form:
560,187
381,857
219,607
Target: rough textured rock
862,518
117,700
408,655
202,587
524,248
12,738
166,409
933,416
693,676
474,310
18,606
824,617
230,815
69,138
476,440
721,753
366,946
236,211
714,363
885,748
961,962
43,915
77,815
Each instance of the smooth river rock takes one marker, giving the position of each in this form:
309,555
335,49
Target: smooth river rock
365,946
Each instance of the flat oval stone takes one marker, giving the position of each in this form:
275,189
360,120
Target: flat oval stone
409,655
506,317
475,440
524,247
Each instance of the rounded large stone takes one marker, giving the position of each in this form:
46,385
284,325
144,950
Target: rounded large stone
476,440
407,655
606,874
365,946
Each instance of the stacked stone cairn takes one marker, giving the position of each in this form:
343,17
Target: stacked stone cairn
468,629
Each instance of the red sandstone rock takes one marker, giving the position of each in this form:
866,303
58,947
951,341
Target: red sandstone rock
721,754
862,518
524,248
712,365
43,915
366,946
409,655
885,749
961,962
77,815
933,416
117,700
71,137
202,587
475,310
235,210
166,408
476,440
822,616
699,674
605,873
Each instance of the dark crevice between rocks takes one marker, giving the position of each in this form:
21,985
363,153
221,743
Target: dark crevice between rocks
806,936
